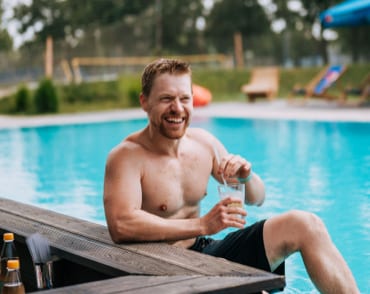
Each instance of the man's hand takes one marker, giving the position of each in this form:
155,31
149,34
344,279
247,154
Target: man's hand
222,216
237,169
234,166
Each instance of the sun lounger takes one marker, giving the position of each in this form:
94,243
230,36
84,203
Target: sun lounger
319,85
362,90
264,82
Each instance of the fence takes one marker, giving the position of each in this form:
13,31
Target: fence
104,53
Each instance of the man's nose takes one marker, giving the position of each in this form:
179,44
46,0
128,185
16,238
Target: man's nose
177,105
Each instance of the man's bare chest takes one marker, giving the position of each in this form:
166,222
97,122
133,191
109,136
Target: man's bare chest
172,185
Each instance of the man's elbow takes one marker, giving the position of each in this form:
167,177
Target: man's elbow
119,234
116,238
256,201
261,201
262,197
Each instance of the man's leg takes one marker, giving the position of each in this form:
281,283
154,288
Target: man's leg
304,232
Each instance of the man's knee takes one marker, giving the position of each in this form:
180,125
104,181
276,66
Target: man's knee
309,225
291,232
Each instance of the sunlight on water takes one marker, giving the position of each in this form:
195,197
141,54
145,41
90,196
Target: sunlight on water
319,167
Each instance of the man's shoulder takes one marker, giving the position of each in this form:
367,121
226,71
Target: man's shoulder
128,147
198,132
199,135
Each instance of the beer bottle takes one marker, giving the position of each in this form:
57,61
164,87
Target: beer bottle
8,251
13,281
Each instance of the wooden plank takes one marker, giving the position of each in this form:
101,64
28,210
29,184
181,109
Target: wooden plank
89,245
143,60
186,260
110,259
169,285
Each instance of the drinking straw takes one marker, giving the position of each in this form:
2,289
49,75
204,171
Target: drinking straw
219,162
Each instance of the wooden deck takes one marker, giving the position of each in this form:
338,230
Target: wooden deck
87,261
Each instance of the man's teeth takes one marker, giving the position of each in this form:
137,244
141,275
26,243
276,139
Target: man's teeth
174,120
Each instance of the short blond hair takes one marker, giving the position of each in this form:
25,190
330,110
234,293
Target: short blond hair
162,66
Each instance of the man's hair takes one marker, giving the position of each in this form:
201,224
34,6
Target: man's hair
161,66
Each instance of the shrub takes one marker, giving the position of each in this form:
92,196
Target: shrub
129,87
133,94
90,92
7,104
22,99
46,97
73,93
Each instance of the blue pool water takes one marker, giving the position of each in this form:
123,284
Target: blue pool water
320,167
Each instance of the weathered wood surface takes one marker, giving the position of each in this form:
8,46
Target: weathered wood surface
90,245
165,284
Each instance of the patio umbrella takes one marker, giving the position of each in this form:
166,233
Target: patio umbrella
347,14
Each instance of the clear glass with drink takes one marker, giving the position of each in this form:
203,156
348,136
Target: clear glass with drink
235,190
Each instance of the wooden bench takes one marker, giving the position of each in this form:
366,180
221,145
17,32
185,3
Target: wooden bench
89,262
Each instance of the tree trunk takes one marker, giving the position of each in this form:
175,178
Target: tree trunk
323,44
49,57
354,45
238,48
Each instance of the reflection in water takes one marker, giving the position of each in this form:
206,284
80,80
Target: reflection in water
319,167
18,171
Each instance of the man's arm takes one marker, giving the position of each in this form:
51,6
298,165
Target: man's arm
236,168
254,190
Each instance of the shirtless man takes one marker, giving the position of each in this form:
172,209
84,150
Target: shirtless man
156,178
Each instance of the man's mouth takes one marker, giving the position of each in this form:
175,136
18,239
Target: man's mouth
174,120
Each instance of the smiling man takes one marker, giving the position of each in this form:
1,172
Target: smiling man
156,177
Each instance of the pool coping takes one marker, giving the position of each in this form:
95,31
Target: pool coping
278,109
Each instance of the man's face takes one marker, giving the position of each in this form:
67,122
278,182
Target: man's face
170,104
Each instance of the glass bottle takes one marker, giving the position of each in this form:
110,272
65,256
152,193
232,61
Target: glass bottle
8,251
13,281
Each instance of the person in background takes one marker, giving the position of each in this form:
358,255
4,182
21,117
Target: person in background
156,177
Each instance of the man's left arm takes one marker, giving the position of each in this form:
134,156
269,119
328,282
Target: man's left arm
236,168
254,189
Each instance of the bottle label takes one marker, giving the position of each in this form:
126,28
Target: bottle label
14,289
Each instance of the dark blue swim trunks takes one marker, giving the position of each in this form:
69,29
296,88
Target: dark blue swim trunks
244,246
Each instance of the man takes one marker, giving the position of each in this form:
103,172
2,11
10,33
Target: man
156,178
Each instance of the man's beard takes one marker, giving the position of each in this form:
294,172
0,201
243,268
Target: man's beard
173,134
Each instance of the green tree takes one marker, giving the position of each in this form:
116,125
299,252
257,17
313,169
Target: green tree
6,42
229,17
44,17
353,41
67,18
301,23
177,23
173,23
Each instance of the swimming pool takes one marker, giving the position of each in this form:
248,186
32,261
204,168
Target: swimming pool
323,167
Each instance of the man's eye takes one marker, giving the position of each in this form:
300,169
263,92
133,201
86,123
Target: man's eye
185,99
166,99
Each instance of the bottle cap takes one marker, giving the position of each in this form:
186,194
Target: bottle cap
13,264
8,236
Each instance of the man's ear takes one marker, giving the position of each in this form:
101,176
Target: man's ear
143,102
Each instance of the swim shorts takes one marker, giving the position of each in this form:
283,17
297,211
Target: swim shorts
244,246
